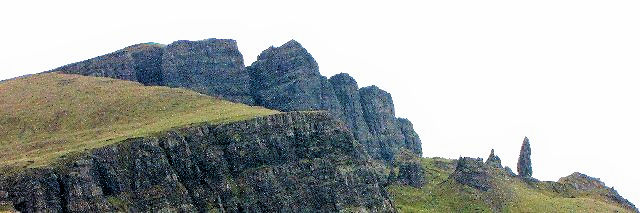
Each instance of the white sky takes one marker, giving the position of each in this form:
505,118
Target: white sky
471,75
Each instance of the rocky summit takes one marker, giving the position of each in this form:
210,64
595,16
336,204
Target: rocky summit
284,78
188,127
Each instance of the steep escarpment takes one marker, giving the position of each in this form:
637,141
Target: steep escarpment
287,78
284,78
213,66
291,162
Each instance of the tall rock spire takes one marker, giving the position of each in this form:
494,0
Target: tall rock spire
524,161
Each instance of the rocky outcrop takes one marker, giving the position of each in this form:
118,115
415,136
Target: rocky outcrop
524,161
212,66
411,138
584,183
472,172
287,78
346,89
493,160
407,170
284,78
140,62
289,162
379,113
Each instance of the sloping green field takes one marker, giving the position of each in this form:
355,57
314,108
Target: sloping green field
511,194
45,117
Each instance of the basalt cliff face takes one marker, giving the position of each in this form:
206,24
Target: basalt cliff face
284,78
288,162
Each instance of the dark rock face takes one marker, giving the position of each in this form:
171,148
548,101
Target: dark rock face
140,62
493,160
379,114
213,67
472,172
284,78
409,170
411,138
346,89
290,162
585,183
287,78
524,161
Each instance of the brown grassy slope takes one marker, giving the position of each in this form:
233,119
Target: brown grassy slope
44,117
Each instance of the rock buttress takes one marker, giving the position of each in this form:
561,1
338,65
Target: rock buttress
287,78
213,66
289,162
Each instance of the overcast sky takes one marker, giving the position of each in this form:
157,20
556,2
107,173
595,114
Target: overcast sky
471,75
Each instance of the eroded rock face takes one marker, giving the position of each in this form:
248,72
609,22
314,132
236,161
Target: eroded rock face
287,78
379,113
213,66
290,162
411,138
493,160
472,172
140,62
409,169
346,89
284,78
524,161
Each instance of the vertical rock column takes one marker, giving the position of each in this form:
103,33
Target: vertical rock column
379,114
346,89
524,161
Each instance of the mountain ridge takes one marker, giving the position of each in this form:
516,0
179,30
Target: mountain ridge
284,78
331,146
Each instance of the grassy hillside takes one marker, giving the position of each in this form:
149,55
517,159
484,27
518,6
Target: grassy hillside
442,194
48,116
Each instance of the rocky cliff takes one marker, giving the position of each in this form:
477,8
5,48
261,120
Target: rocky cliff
285,78
288,162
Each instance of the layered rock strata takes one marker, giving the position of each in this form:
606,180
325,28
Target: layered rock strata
288,162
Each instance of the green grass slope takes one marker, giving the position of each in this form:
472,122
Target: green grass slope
48,116
442,194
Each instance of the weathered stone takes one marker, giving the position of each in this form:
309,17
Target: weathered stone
289,162
493,160
213,66
524,161
472,172
411,138
410,171
287,78
284,78
510,171
379,114
140,62
346,89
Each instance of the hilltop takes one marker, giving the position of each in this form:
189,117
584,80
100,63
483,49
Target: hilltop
47,116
